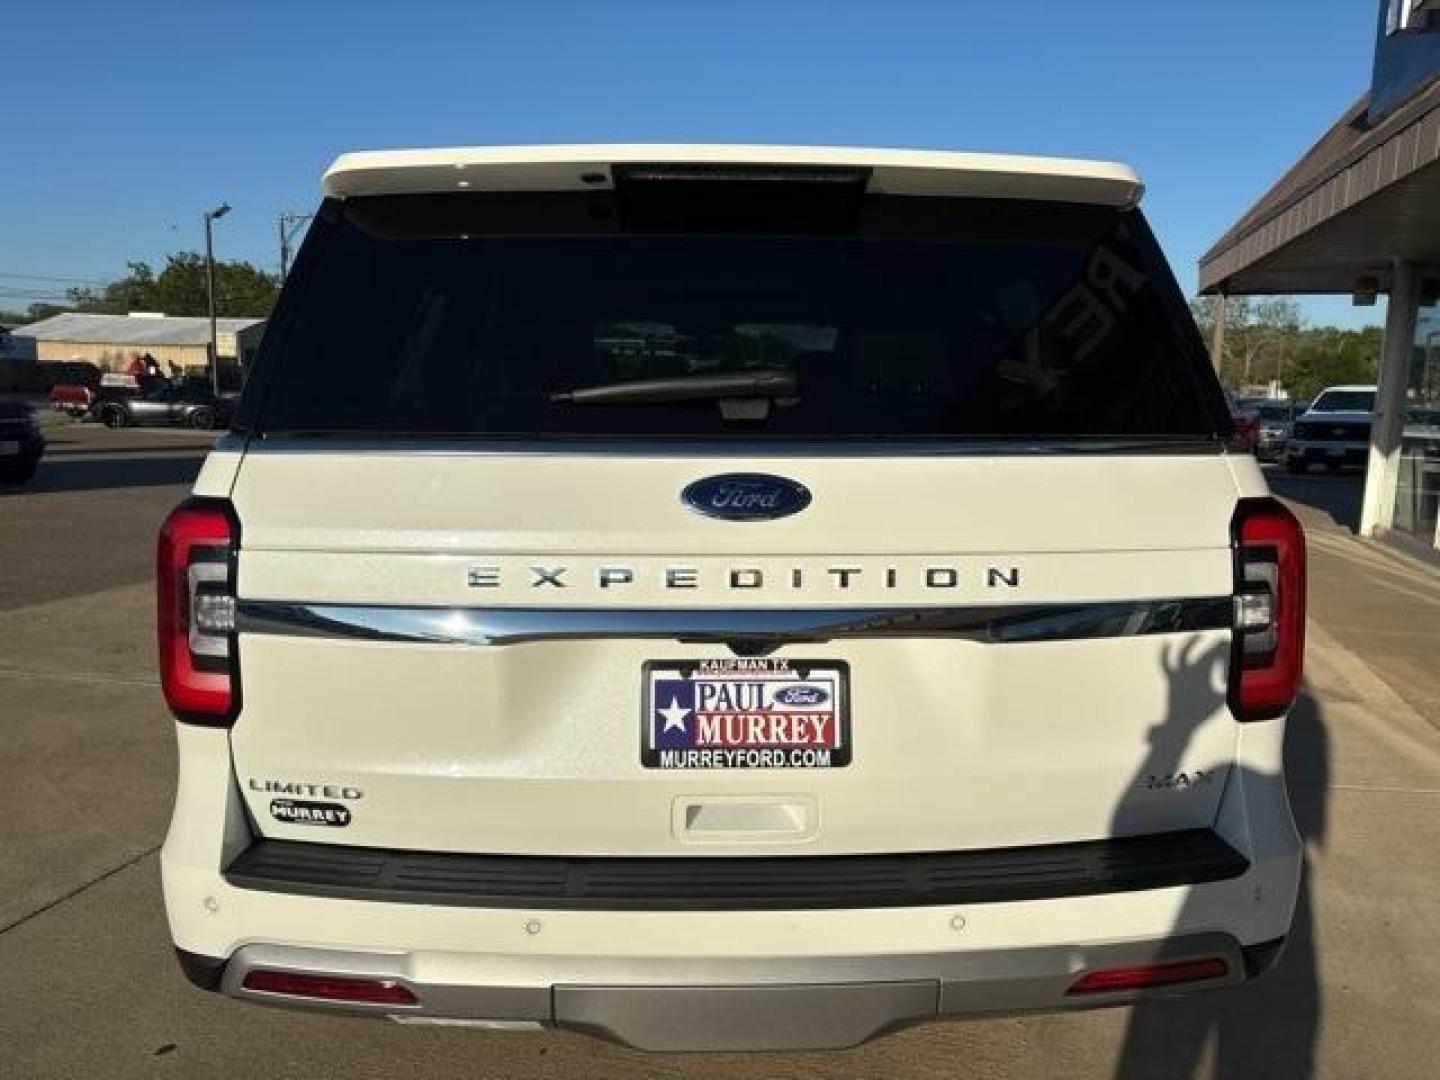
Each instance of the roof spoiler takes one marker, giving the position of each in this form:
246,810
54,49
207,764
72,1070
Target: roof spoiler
934,173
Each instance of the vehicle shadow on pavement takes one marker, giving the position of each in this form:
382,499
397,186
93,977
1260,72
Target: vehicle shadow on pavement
58,475
1267,1027
1336,494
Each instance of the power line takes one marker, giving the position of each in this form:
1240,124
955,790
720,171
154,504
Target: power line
57,280
32,294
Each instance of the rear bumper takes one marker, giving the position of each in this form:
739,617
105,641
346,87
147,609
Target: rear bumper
706,979
742,1003
1327,453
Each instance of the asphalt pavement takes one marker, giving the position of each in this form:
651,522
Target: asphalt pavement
89,987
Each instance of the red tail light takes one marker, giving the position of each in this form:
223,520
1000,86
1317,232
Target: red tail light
330,987
1270,609
1148,976
195,593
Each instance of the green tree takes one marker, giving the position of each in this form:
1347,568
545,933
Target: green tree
241,289
1330,357
1267,340
1259,335
34,313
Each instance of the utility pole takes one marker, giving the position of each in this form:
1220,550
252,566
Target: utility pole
290,227
1217,333
210,218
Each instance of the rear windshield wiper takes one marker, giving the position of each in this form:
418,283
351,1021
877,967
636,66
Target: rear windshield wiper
726,386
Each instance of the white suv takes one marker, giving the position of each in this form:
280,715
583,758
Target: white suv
1334,431
728,597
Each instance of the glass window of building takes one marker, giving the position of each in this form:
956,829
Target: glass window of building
1417,489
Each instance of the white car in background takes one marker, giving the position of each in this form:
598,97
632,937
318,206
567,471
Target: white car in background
1334,431
728,598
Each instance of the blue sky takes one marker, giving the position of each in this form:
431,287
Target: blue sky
123,122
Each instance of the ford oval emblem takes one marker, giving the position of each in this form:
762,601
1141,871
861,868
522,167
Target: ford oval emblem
803,694
746,497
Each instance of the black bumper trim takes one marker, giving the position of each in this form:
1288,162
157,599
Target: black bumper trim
1261,957
205,972
726,883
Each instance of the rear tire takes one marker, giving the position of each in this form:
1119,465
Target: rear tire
202,420
115,418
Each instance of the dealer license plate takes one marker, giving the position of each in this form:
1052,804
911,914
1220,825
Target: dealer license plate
745,713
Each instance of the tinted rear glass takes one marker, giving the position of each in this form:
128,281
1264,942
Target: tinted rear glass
1345,401
918,319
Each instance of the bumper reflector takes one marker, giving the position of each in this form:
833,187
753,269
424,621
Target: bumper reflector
330,988
1146,976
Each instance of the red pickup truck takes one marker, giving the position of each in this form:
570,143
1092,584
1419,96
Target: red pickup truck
73,398
74,387
78,397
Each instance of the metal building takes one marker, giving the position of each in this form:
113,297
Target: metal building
1358,214
112,341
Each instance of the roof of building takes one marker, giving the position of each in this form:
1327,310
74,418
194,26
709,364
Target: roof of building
85,327
588,168
1350,163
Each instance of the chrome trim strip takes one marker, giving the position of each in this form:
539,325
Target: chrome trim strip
300,443
748,626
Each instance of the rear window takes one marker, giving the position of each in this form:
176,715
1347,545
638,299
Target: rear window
473,315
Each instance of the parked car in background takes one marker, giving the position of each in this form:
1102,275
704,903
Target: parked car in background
73,398
161,402
1274,419
116,387
80,394
51,373
21,442
72,386
1334,431
1247,432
